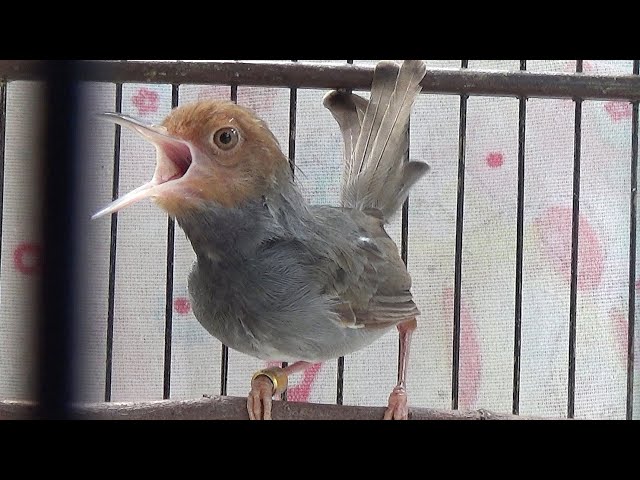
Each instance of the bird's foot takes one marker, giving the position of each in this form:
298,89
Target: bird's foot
264,385
397,409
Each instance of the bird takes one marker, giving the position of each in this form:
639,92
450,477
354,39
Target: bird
276,277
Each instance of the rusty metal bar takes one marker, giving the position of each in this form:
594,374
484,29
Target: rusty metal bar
235,408
357,77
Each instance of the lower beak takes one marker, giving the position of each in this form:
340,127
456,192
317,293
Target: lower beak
174,157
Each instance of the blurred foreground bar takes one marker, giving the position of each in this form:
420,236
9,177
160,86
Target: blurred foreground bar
59,247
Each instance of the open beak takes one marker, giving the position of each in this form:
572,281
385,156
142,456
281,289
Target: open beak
174,157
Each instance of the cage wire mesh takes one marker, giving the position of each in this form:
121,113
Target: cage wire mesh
488,239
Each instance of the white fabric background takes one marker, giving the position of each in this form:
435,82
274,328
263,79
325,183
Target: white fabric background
488,253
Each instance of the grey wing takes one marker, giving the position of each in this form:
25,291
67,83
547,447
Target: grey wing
371,285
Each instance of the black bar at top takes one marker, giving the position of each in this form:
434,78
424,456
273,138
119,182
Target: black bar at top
224,370
113,242
59,249
457,288
575,230
517,336
632,250
168,309
3,129
356,77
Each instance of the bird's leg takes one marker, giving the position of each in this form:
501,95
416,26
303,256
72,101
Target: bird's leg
265,384
397,409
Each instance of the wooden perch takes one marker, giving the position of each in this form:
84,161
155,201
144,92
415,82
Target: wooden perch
234,408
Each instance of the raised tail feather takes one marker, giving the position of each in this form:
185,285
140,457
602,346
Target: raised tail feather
375,133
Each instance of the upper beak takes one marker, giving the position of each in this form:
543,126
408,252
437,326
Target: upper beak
174,156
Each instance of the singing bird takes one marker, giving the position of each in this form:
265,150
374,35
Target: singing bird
276,277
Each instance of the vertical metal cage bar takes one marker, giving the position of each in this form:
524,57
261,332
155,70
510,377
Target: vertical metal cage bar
113,242
575,230
517,335
632,250
3,128
168,319
224,370
457,289
340,382
293,106
57,289
340,374
404,238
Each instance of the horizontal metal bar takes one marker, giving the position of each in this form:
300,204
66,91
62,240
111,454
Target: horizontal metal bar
235,408
356,77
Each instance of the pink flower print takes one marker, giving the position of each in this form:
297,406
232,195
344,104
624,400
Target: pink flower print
182,305
146,101
26,258
618,110
301,391
554,231
494,159
470,352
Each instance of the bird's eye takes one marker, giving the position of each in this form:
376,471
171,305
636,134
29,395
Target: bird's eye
226,138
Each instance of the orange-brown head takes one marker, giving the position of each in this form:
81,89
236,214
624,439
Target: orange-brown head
207,151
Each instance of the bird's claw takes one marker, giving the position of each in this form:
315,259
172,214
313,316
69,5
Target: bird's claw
264,385
397,409
259,398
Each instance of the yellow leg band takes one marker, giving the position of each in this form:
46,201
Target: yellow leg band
277,377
